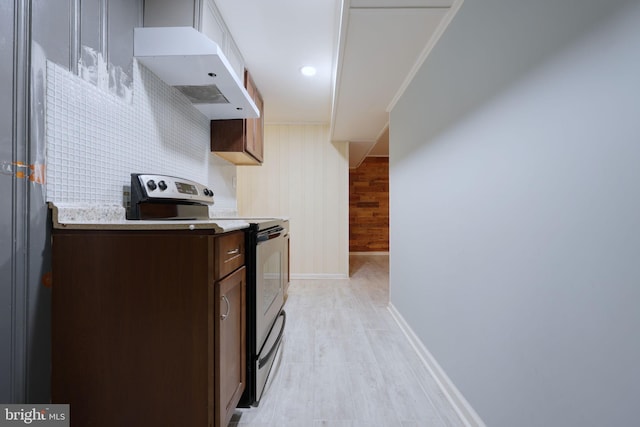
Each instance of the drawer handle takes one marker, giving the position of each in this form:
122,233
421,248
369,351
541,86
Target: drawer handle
233,251
226,300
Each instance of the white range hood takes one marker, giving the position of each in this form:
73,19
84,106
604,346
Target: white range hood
188,60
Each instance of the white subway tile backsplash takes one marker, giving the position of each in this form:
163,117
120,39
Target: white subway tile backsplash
96,139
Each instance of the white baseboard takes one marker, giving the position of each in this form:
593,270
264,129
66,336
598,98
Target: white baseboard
298,276
466,413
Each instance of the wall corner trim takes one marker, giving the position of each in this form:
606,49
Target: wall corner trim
463,409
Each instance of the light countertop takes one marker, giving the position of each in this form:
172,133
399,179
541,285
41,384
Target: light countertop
100,217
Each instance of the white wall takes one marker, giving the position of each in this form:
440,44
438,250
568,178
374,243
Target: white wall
306,178
515,210
96,139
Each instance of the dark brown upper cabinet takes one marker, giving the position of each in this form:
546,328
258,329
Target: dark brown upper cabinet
240,141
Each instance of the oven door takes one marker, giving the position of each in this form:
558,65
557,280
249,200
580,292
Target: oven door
267,356
270,276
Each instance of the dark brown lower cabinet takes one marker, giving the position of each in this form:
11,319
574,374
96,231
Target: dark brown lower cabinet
230,332
145,332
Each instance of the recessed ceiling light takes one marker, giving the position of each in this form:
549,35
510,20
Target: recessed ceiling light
308,70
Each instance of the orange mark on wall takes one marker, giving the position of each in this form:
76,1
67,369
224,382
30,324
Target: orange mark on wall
37,173
34,173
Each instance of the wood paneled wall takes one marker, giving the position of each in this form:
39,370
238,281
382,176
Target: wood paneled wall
369,206
304,177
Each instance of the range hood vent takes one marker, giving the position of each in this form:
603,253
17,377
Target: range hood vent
203,94
186,59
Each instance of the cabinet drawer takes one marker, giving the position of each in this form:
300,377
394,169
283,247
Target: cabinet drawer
229,253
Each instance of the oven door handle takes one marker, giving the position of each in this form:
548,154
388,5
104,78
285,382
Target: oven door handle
276,344
269,234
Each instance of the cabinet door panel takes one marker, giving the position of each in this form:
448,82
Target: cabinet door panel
127,337
254,126
258,147
230,338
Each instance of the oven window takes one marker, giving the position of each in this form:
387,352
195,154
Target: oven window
272,279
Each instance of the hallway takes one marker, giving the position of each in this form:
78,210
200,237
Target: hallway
345,362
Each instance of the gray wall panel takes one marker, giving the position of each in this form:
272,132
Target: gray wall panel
39,262
124,15
57,28
54,34
90,24
51,26
514,210
6,154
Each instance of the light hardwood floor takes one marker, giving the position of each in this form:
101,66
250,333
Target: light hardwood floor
345,362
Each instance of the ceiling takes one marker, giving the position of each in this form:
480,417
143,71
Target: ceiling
365,52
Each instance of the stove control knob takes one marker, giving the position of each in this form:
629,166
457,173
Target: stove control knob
162,185
151,185
208,192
